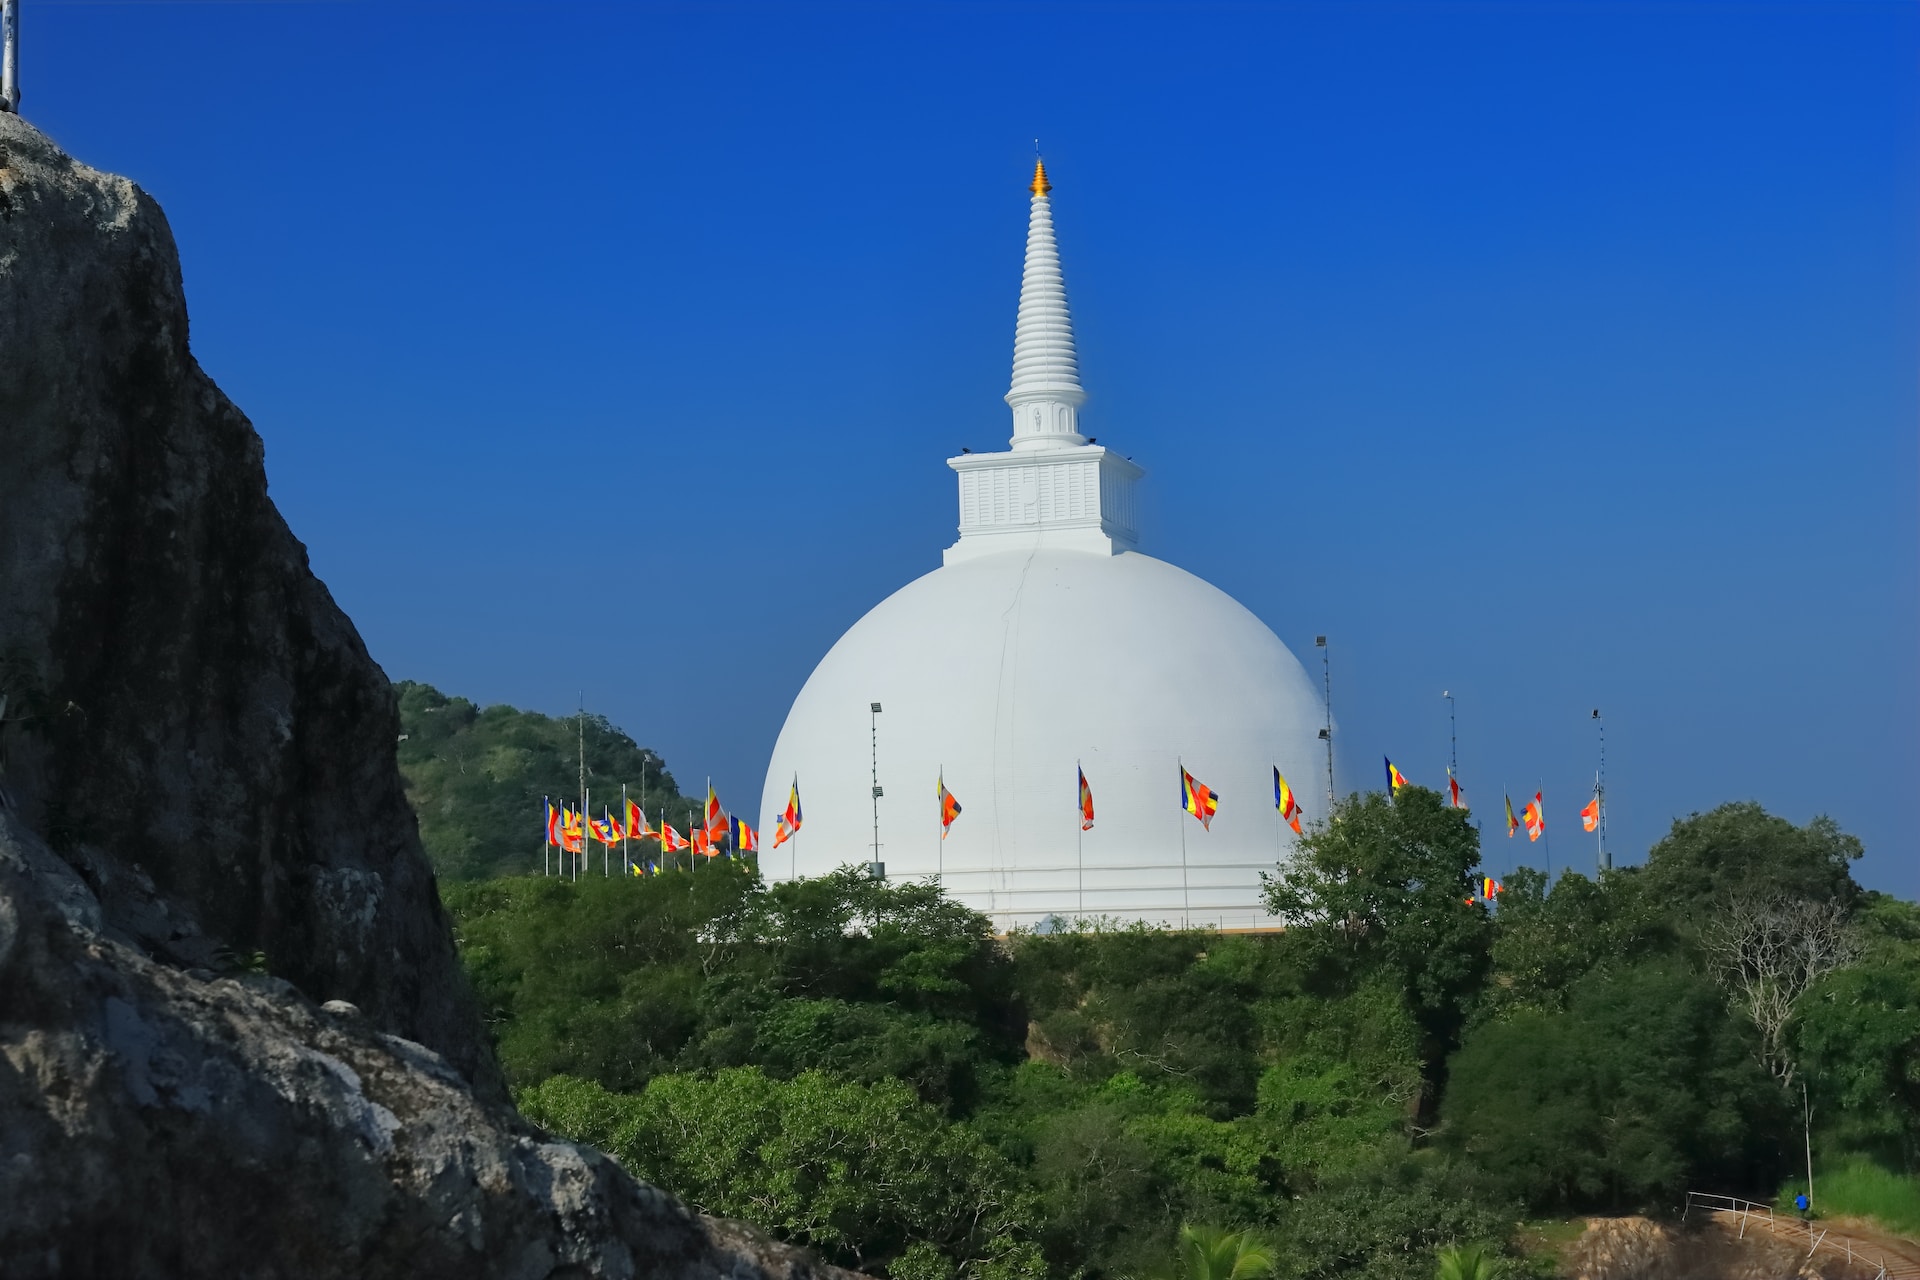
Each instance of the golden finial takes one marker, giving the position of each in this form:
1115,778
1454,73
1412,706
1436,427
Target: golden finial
1040,185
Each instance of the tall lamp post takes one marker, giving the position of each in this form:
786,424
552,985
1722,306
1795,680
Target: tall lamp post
876,868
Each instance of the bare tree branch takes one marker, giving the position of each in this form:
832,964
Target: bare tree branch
1767,953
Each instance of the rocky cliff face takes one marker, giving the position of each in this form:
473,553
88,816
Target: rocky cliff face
191,721
197,791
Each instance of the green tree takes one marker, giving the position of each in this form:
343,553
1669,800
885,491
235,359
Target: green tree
1546,941
1742,850
1383,887
1214,1253
1642,1086
866,1174
1858,1035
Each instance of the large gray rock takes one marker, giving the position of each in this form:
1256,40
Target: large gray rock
190,720
153,1123
197,791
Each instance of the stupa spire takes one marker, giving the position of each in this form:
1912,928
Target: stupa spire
1046,395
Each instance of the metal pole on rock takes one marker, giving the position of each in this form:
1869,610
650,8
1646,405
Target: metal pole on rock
10,55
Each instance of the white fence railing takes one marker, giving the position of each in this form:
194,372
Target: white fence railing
1750,1215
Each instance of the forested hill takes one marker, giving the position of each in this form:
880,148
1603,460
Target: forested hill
865,1068
476,774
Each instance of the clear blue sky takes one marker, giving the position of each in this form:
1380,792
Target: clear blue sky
1560,355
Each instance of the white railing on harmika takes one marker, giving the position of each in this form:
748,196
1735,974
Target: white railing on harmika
1752,1215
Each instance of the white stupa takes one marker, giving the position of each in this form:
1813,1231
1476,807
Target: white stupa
1046,642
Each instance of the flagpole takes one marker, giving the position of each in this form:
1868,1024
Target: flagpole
1080,836
546,843
1546,838
1600,797
1326,672
1185,893
940,849
793,837
1279,841
581,724
626,836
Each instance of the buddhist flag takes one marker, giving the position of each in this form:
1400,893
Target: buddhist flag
671,841
1454,793
949,807
1490,888
745,838
1535,816
640,868
553,824
713,808
702,843
1284,801
573,831
1395,778
1513,823
788,823
1590,816
1198,799
637,828
1086,803
606,831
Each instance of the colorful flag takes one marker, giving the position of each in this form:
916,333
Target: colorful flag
1395,778
671,841
1284,801
788,823
637,828
1535,816
1513,823
949,807
1198,799
745,838
1086,803
605,830
1491,888
553,824
1590,816
1458,797
573,831
640,867
713,810
702,842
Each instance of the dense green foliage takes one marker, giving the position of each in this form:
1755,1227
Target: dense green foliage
476,777
1858,1187
864,1068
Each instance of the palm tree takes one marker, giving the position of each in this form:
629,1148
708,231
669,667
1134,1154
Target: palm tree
1466,1262
1214,1253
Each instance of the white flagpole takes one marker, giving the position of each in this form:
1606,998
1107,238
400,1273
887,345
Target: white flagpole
1080,837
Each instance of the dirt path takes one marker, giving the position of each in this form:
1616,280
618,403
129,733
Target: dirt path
1902,1255
1869,1244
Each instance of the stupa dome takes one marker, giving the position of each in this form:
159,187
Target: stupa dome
1045,645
